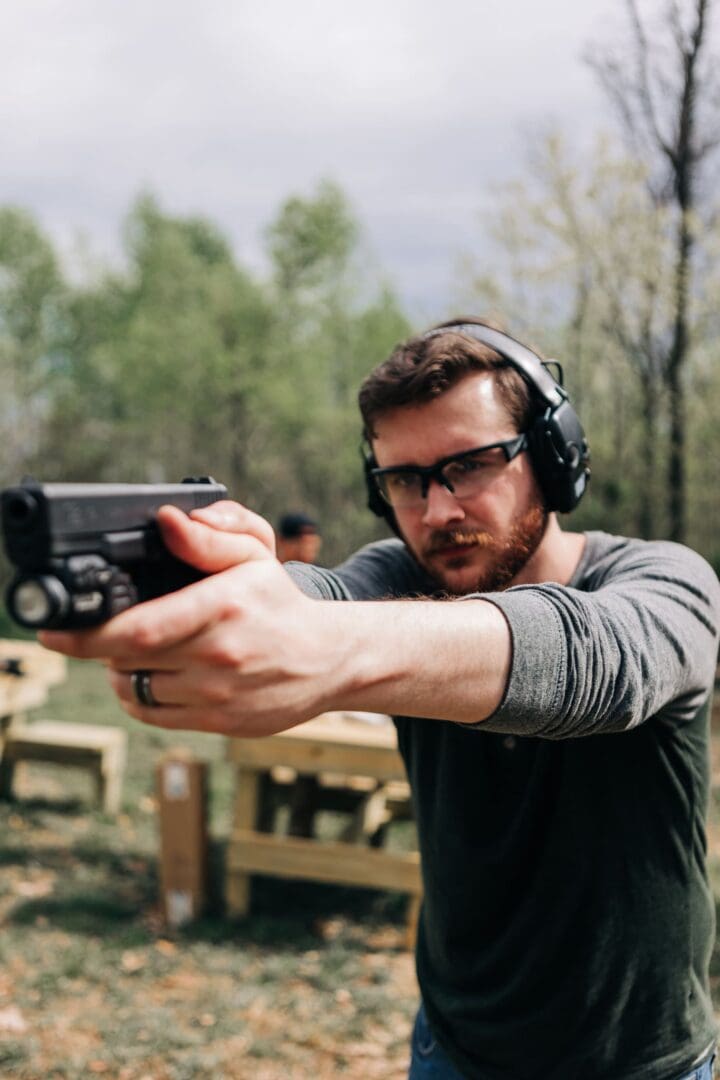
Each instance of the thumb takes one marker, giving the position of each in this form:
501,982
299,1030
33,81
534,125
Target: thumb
208,548
232,517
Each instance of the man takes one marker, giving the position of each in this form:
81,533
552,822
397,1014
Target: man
298,538
561,784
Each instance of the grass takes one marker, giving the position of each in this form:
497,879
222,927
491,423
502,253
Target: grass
317,983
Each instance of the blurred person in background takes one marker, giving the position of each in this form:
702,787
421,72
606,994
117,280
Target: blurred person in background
298,538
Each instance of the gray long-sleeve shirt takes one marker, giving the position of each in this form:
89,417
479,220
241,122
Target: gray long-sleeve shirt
567,920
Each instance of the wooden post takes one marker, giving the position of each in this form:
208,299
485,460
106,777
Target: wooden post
182,799
246,809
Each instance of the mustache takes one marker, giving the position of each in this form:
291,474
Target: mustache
445,538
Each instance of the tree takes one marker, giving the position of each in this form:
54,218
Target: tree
665,88
32,296
159,360
615,256
583,258
334,320
311,240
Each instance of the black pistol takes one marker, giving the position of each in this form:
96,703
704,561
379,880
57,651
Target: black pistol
85,552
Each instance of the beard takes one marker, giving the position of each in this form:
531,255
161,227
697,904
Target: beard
505,557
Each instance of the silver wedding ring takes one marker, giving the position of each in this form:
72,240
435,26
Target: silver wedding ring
140,682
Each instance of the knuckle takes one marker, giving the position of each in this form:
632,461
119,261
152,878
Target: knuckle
145,636
233,606
218,693
224,653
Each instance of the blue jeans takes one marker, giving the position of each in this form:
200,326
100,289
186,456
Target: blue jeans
703,1072
429,1061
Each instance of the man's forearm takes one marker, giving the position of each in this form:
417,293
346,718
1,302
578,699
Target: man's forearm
244,652
449,661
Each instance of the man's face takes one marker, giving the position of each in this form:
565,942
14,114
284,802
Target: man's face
477,543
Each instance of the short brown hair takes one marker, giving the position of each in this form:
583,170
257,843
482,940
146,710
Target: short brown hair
424,367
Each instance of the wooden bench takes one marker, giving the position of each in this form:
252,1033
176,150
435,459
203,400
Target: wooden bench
353,762
99,749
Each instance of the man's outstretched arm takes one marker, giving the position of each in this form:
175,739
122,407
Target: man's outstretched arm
245,652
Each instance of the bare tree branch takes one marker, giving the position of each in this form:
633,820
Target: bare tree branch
676,27
643,88
667,100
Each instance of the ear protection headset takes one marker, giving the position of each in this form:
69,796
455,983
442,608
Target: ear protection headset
557,445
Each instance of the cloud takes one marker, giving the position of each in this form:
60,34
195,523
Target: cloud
227,108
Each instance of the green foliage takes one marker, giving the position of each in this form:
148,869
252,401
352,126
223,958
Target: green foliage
185,363
28,278
155,358
31,297
311,240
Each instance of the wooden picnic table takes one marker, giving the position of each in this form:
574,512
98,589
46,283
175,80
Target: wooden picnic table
348,756
26,677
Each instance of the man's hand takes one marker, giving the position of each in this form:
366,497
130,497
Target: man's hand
242,652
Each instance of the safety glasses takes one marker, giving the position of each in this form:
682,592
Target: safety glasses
464,475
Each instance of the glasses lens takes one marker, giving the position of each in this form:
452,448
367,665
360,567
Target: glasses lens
473,472
400,488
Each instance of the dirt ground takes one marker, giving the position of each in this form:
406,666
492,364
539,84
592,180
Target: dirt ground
320,985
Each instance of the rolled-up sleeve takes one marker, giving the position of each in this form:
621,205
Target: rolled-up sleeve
639,640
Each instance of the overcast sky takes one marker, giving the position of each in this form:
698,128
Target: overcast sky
226,107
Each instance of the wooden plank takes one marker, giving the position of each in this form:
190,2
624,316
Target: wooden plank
312,757
345,730
82,756
51,733
335,729
36,662
246,815
342,864
246,798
